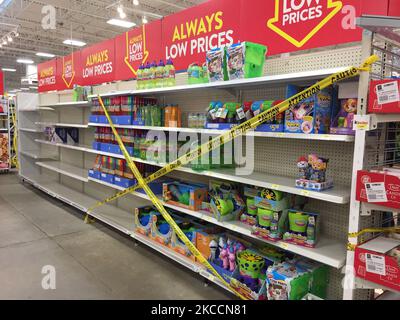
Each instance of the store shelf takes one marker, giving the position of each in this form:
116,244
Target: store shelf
329,251
3,114
365,284
66,125
65,169
3,130
30,154
302,77
67,104
282,135
118,219
31,130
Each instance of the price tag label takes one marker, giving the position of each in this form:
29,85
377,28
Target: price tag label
240,113
362,123
257,112
305,193
375,264
388,92
219,112
276,186
213,114
376,192
284,246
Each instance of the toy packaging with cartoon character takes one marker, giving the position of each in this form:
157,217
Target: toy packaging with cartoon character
312,173
342,123
312,115
216,65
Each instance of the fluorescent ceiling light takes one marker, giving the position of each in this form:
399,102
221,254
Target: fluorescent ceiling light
9,38
32,87
144,20
25,89
46,55
121,23
25,61
9,70
75,43
136,2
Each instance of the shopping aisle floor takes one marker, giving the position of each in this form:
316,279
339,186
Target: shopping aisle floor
91,261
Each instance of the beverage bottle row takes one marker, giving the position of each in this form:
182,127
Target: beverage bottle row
153,75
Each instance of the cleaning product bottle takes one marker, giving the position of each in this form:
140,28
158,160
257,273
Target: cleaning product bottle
146,76
169,75
160,74
152,75
139,78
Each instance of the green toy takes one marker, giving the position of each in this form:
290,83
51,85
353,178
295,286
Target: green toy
273,195
232,107
251,208
250,264
225,206
298,222
265,217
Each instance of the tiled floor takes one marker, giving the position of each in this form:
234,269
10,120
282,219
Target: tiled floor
90,261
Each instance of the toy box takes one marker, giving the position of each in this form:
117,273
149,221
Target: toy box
226,203
216,65
384,96
270,225
109,178
161,231
144,219
312,173
342,123
206,240
247,292
188,196
381,188
274,125
312,115
301,228
245,60
94,174
378,262
287,281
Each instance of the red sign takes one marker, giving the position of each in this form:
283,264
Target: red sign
292,25
1,83
394,8
189,34
384,96
47,75
135,47
98,63
68,71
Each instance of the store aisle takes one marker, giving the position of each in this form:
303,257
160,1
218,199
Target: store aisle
91,261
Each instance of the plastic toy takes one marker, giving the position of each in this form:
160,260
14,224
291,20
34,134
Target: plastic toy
302,228
232,259
342,123
213,250
181,197
250,266
312,173
189,196
265,217
273,195
312,115
245,60
216,65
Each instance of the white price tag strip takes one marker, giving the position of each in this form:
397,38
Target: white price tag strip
376,192
388,92
375,264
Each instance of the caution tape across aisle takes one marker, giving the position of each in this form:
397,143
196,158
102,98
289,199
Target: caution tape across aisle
214,144
245,127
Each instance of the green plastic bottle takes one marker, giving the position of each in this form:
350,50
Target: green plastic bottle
146,76
139,78
160,74
169,75
152,75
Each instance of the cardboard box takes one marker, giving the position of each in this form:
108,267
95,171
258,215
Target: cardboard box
123,182
143,219
372,262
161,231
195,194
378,188
384,96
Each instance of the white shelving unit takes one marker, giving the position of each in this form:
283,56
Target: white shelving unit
275,155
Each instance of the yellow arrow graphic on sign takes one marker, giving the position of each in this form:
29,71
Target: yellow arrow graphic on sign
68,84
335,5
145,52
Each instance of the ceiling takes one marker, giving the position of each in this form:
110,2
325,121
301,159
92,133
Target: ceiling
81,20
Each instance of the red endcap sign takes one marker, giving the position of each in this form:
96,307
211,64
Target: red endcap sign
98,63
47,74
68,71
137,46
1,83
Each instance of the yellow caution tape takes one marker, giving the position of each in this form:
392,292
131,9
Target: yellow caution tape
374,230
246,126
214,144
157,203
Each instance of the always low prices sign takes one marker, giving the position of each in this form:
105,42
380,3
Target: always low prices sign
47,75
98,63
69,71
282,25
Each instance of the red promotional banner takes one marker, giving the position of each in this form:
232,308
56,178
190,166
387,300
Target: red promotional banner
98,63
189,34
282,25
47,74
1,83
135,47
69,71
292,25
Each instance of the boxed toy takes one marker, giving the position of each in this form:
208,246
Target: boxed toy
312,173
379,187
312,115
188,196
287,281
378,261
270,225
144,219
226,203
207,242
301,228
384,96
245,60
161,231
274,125
216,65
